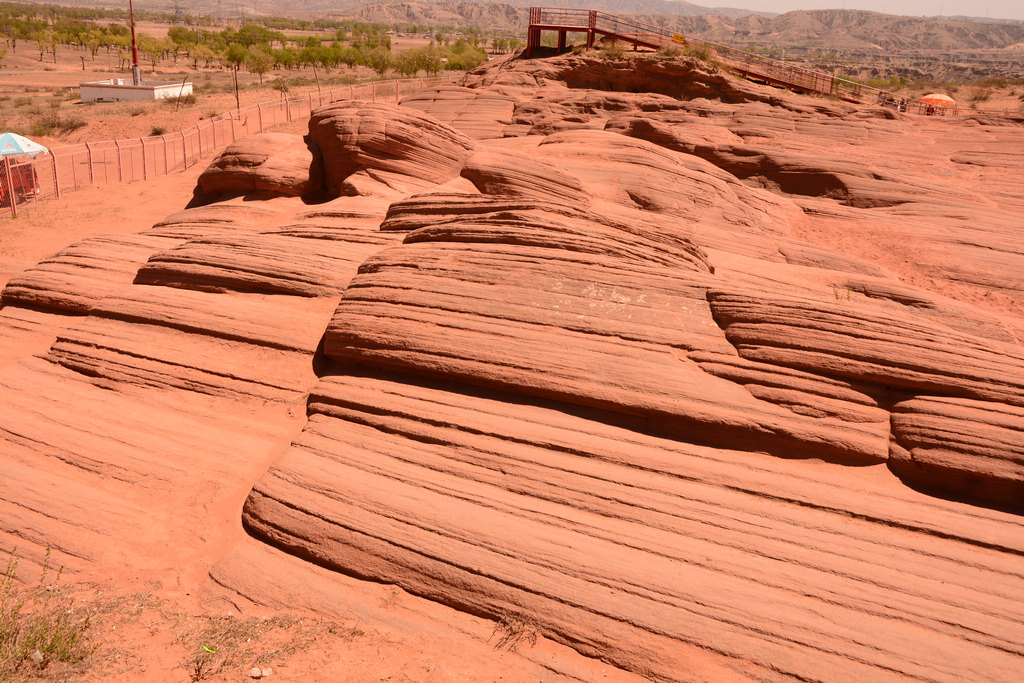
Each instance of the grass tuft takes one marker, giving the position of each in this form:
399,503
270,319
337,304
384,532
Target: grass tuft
181,101
55,123
613,50
229,645
39,625
512,629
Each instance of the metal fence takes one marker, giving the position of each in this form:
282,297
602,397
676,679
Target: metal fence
748,63
70,167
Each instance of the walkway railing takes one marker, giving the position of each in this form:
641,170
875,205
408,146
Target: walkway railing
774,71
70,167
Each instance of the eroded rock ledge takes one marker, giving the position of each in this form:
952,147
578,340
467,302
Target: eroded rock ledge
650,372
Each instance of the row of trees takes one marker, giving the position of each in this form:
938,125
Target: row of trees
256,47
433,58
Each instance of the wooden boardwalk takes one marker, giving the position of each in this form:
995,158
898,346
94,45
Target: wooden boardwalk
773,71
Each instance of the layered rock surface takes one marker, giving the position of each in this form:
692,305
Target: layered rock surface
650,374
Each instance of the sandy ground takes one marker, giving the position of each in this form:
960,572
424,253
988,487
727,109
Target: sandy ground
31,89
44,228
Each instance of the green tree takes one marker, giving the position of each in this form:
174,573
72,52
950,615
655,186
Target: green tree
407,62
183,38
258,62
285,58
378,59
201,52
93,41
42,40
235,55
349,56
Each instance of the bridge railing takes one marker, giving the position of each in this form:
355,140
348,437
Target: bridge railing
748,62
558,16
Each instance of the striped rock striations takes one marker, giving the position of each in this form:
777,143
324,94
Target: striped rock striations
704,384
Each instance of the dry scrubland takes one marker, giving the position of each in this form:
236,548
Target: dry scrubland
40,99
591,367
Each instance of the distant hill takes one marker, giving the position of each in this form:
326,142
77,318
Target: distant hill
842,29
513,14
669,7
848,30
475,14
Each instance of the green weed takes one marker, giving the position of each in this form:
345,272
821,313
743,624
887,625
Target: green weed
39,625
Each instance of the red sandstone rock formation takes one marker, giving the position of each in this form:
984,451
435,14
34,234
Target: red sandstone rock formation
705,388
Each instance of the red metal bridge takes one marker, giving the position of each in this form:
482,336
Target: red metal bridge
773,71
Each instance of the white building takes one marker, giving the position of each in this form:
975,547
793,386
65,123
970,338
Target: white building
122,90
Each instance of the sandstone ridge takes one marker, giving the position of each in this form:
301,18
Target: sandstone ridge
702,381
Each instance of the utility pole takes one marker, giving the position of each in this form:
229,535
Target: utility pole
136,78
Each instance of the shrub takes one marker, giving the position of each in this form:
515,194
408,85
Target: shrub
181,101
157,130
699,52
39,625
670,51
53,123
992,82
613,50
512,629
980,95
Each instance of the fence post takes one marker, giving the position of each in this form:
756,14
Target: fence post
184,151
259,116
351,92
167,168
234,135
199,137
120,171
145,171
396,90
287,111
214,122
88,148
12,199
374,91
56,181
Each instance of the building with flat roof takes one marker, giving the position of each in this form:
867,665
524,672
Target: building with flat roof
122,90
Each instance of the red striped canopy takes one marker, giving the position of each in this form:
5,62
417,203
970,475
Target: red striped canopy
939,99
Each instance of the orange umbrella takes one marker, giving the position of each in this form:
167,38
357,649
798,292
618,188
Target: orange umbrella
939,99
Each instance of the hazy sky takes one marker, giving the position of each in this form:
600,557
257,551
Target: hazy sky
996,9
